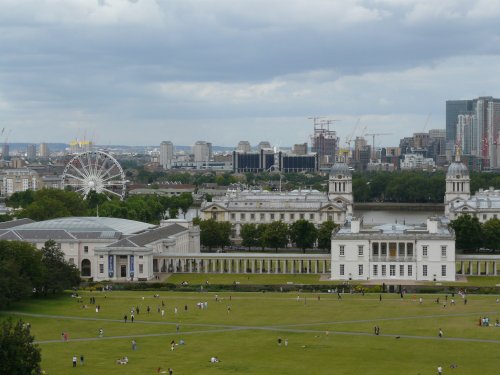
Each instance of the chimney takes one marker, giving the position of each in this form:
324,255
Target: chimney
432,224
356,223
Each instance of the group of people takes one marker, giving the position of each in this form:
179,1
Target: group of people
75,360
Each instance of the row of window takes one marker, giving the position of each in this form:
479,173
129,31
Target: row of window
383,252
392,270
281,216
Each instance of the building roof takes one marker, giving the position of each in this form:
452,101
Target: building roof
89,225
255,200
457,168
15,223
151,236
483,200
340,168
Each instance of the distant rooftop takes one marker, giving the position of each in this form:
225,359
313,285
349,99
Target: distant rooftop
89,224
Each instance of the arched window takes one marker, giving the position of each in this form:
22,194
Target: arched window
86,269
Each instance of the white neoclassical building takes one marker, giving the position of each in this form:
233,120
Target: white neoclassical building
258,206
107,248
393,252
484,204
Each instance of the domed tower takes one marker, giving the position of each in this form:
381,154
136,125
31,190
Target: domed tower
340,186
457,184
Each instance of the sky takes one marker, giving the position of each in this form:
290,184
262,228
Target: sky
137,72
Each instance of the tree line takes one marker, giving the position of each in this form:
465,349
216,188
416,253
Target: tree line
48,204
302,234
471,234
26,271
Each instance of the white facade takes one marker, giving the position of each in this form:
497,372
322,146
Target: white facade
417,161
257,206
108,248
393,252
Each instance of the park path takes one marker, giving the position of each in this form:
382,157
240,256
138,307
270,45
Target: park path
221,328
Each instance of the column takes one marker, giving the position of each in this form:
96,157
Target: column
230,268
269,266
253,265
222,265
307,266
494,268
462,271
293,265
261,264
486,268
277,266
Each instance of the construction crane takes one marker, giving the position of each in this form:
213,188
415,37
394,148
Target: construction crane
373,135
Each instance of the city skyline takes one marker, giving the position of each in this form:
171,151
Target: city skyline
137,72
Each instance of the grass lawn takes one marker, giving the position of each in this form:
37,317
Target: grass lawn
325,335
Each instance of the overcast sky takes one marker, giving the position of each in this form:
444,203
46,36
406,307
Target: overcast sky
138,72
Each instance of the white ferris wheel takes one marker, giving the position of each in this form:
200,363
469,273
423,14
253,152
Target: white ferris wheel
97,171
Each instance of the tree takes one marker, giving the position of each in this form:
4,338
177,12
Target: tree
57,273
491,234
325,234
303,234
214,233
275,235
20,271
18,354
184,201
468,232
250,235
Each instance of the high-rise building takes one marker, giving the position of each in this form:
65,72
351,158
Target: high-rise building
244,146
484,128
264,145
202,152
324,142
464,133
31,152
5,151
44,150
453,109
300,149
166,154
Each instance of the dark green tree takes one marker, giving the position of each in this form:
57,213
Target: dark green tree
57,273
215,233
185,201
275,235
18,354
468,232
20,271
325,234
303,234
21,199
249,235
491,234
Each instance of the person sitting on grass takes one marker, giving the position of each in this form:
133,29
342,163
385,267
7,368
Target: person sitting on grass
214,360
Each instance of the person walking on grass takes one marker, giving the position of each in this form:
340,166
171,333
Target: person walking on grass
74,361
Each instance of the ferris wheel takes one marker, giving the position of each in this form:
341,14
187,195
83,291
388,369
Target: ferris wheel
97,171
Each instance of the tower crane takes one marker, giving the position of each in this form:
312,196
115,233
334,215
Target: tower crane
373,135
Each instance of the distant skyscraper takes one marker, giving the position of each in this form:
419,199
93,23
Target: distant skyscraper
484,128
464,133
453,109
44,150
202,151
166,154
244,146
324,142
31,152
264,145
5,151
300,149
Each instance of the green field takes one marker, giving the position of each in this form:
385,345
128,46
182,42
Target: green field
325,335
